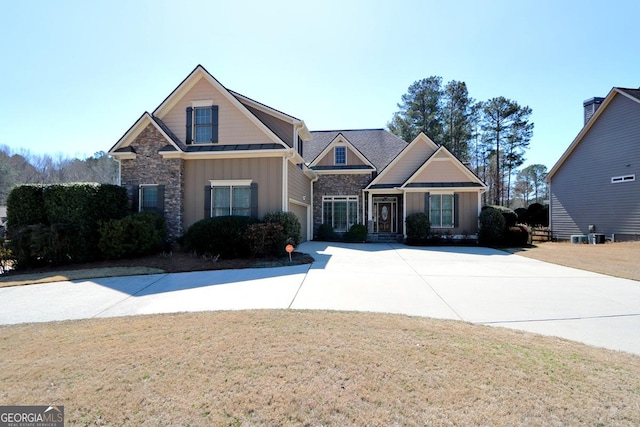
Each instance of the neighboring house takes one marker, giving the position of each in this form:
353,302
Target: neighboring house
595,185
208,151
3,220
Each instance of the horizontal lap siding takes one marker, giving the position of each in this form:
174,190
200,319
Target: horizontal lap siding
581,190
234,126
266,172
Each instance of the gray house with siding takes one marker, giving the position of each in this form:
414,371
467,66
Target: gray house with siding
595,185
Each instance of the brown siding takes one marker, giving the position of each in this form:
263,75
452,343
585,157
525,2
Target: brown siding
234,126
441,171
467,211
408,164
329,158
265,172
299,185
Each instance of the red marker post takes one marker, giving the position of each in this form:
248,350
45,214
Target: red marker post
289,249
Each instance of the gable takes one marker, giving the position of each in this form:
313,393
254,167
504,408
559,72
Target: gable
443,169
328,157
407,162
235,126
619,114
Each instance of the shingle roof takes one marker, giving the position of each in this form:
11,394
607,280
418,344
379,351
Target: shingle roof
377,145
632,92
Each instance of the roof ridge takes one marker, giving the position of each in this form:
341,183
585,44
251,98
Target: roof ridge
349,130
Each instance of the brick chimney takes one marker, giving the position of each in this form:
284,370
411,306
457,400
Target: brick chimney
590,107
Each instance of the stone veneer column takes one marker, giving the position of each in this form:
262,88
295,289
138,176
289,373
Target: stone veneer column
149,167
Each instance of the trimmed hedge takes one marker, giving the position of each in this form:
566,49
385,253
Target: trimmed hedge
492,227
223,236
290,225
266,238
357,233
418,227
133,236
59,223
326,233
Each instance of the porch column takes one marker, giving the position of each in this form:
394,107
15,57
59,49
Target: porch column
369,212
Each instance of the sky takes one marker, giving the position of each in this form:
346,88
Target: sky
75,75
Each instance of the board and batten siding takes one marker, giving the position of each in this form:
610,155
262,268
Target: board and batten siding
234,127
299,197
408,164
265,172
467,211
581,191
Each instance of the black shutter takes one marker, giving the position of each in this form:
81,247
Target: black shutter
160,200
214,123
207,201
189,125
456,203
426,204
254,200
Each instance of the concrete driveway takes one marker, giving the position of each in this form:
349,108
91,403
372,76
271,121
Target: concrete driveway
472,284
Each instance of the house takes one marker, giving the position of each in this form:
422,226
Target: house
208,151
593,186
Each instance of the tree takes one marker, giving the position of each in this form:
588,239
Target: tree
457,112
420,111
533,180
506,122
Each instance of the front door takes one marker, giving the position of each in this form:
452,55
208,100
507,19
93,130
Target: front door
384,217
385,211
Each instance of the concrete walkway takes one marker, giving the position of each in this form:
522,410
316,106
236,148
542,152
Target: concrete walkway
472,284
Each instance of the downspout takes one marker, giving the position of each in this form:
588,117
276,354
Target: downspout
310,220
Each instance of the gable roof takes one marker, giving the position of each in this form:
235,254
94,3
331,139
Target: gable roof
143,121
341,140
378,146
277,125
443,154
633,94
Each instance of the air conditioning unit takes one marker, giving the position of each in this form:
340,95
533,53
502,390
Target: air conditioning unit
578,238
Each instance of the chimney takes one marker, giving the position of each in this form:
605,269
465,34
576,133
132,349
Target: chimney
590,107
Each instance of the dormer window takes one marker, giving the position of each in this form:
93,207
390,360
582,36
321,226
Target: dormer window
202,123
341,155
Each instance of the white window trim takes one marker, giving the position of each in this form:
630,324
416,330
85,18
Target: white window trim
335,155
140,198
347,199
453,213
231,183
623,178
202,103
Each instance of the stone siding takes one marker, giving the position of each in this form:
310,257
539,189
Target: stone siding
150,168
338,185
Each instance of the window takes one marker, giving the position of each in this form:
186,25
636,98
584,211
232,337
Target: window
340,212
151,198
625,178
441,210
202,123
232,198
341,155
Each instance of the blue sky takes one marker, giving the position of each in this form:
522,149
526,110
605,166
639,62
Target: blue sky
75,75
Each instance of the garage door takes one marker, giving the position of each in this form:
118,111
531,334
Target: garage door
301,212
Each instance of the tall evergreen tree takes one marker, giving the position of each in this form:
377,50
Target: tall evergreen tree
420,111
457,113
507,127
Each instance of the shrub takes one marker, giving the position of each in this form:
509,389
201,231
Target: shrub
66,217
132,236
224,236
266,238
326,233
25,206
6,257
290,225
418,227
523,215
517,236
492,226
357,233
538,215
